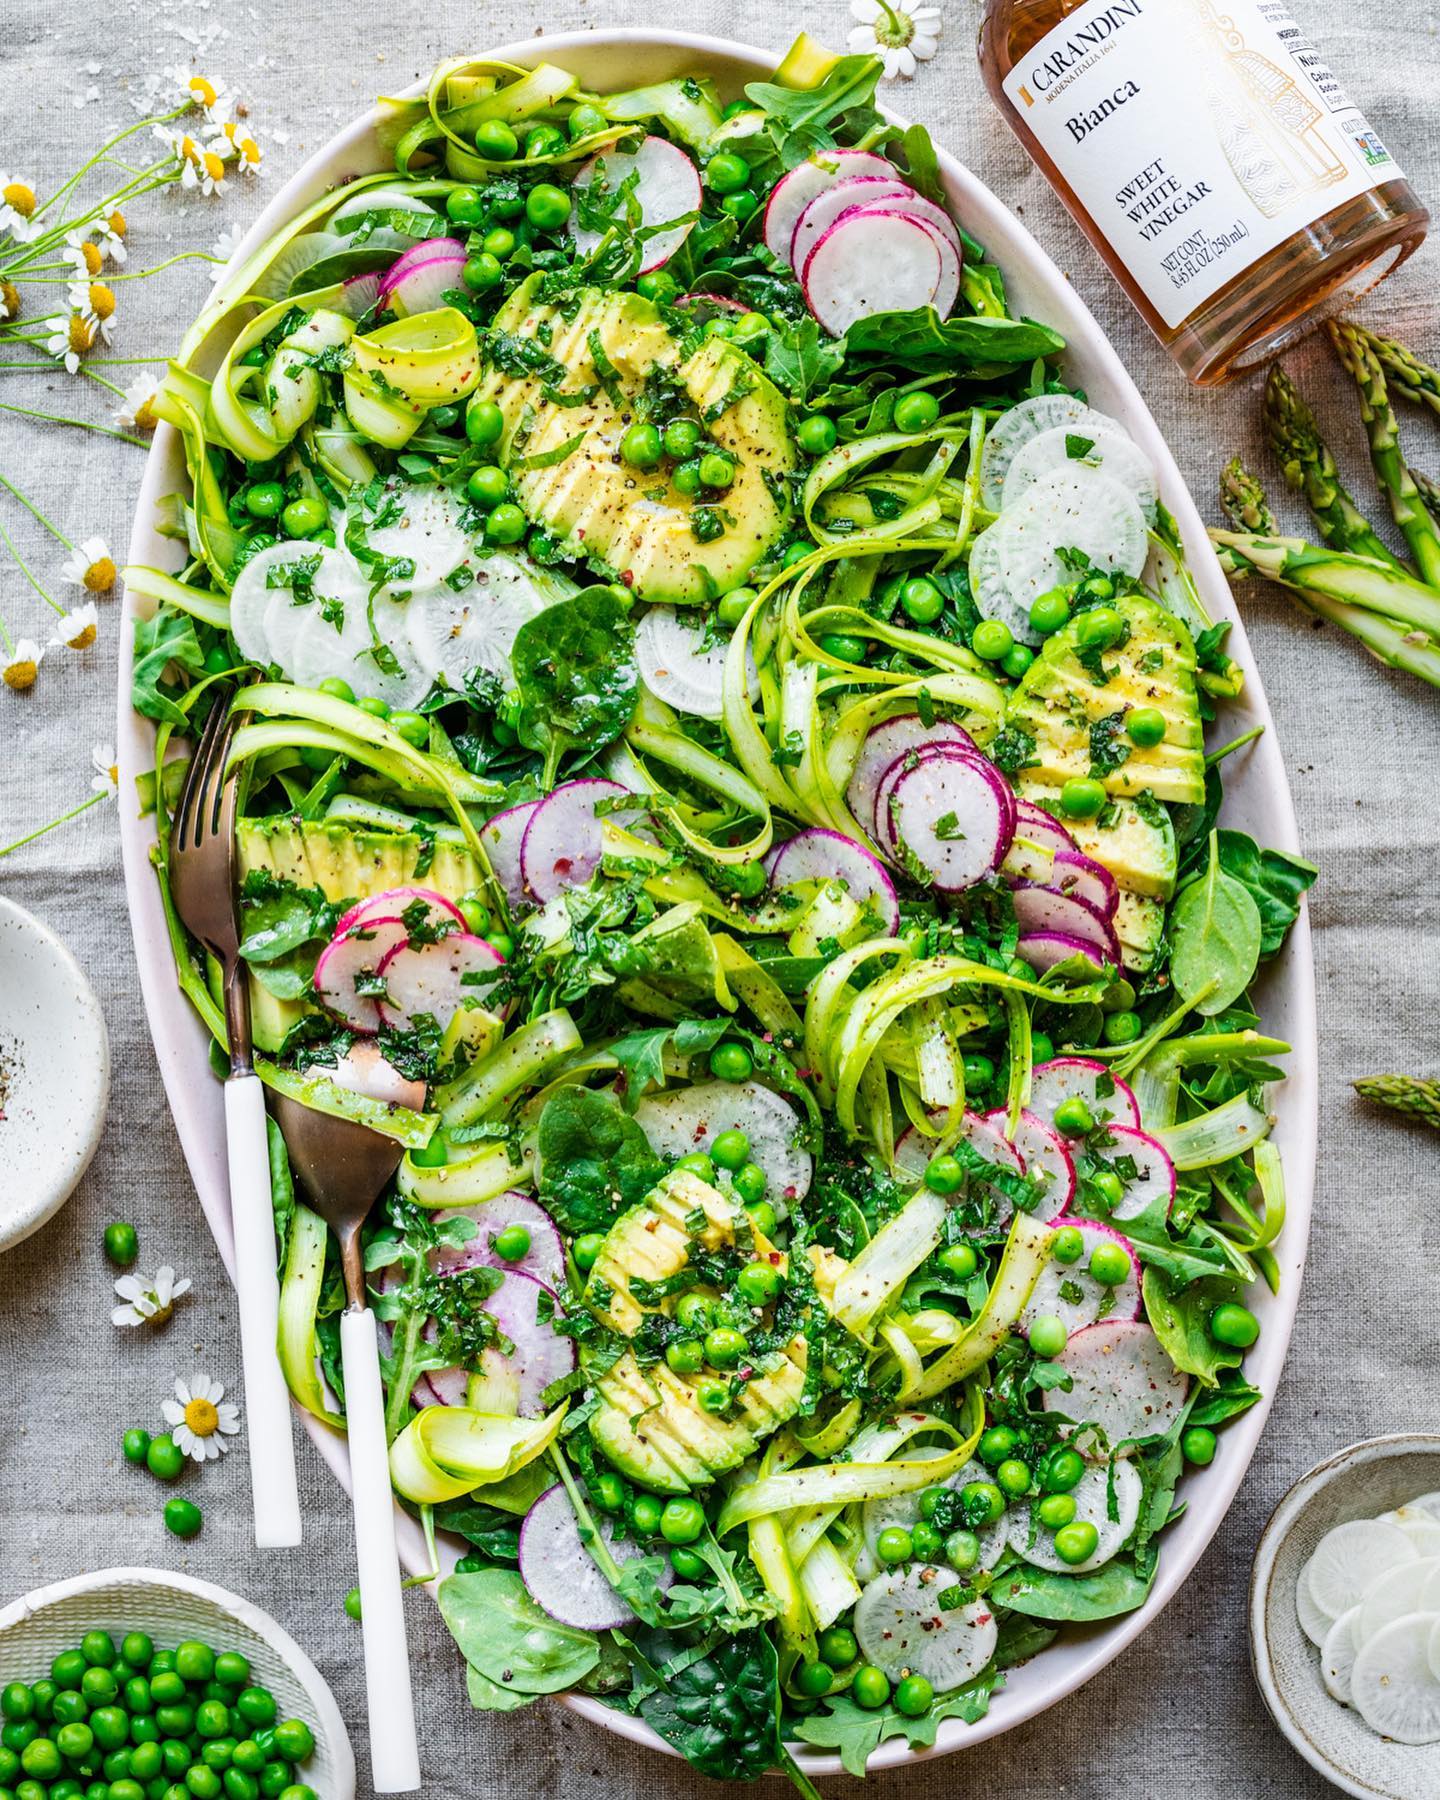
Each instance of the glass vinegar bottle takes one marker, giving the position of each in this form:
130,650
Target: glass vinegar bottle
1212,159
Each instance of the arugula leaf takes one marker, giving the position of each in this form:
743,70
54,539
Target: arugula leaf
1179,1259
576,675
168,639
922,340
1180,1319
799,360
1275,882
803,120
856,1732
1071,1599
594,1159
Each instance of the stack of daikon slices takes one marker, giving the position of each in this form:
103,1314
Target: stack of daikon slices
1369,1598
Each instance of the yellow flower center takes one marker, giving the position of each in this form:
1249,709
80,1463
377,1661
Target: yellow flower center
188,148
116,222
228,128
21,196
203,90
20,675
83,638
94,261
145,419
10,299
100,576
81,335
214,166
202,1418
249,151
102,300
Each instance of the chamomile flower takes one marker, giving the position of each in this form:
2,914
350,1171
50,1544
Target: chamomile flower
136,412
90,566
22,665
902,33
9,301
86,258
69,342
224,248
112,231
200,1418
95,303
239,141
107,771
210,96
17,208
78,628
148,1302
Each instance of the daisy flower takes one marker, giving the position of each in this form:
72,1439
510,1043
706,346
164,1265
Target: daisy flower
107,770
199,166
200,1418
91,566
95,303
9,301
70,342
200,91
148,1302
17,208
902,33
237,140
224,248
136,412
22,665
78,628
85,258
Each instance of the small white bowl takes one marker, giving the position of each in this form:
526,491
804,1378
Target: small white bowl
1368,1478
170,1608
54,1073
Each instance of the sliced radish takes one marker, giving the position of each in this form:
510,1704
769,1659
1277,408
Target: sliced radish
1016,426
1058,1284
794,191
884,744
914,1149
872,263
1044,949
364,1070
1112,453
851,195
418,281
991,590
1084,879
339,641
687,1119
1028,862
351,961
1091,1494
539,1356
379,199
721,302
1315,1621
816,854
1043,909
1408,1587
1393,1685
1082,1078
1033,823
903,1629
1075,509
502,837
1424,1535
300,254
954,815
904,1510
544,1260
1045,1154
1349,1558
666,189
904,199
1123,1383
277,591
252,597
424,525
901,204
359,294
434,980
456,629
395,901
1154,1173
562,844
679,667
563,1577
1337,1655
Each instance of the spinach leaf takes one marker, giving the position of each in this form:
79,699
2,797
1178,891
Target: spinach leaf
802,120
489,1696
1020,1638
162,641
1233,1397
799,360
922,340
494,1534
722,1711
594,1159
1181,1320
504,1634
1215,934
1274,880
856,1732
1071,1599
575,672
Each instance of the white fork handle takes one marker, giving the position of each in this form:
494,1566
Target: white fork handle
267,1401
394,1756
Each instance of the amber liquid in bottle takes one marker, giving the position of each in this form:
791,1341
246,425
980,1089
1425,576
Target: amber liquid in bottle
1317,270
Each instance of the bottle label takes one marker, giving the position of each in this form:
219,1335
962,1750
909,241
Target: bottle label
1197,134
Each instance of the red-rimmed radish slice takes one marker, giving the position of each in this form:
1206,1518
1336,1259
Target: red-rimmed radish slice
667,189
395,901
1073,509
1044,1153
1110,451
434,978
1017,425
544,1260
1122,1382
951,264
794,191
1085,879
954,816
418,281
883,744
1393,1684
906,200
914,1149
1337,1655
1349,1559
903,1629
1045,909
359,294
502,837
1059,1282
352,960
680,668
1154,1176
561,1574
364,1070
873,263
850,195
817,854
562,843
686,1119
1091,1494
721,302
1041,827
1083,1078
540,1355
454,630
905,764
1043,949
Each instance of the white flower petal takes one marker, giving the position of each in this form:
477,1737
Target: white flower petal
862,40
173,1411
125,1315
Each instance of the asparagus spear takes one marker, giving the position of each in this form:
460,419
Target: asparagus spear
1309,469
1429,490
1243,497
1316,571
1416,380
1407,508
1406,1093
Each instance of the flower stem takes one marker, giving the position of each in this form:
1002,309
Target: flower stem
36,513
24,567
30,412
64,819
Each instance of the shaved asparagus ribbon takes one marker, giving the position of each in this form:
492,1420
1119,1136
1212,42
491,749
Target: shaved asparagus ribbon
447,1451
300,1288
1027,1250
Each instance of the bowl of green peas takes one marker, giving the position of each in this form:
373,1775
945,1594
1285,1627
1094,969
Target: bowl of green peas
139,1684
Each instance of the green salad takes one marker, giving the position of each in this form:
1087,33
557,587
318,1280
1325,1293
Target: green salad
726,786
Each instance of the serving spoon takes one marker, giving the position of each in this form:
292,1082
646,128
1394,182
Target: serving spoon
343,1166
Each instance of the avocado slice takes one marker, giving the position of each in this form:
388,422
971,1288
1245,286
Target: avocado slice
570,377
1133,838
1139,925
1073,705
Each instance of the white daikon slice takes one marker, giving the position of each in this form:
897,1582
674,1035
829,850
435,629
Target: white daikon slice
902,1627
1400,1590
1075,509
1337,1655
1061,448
1017,425
455,630
1392,1685
1349,1559
679,667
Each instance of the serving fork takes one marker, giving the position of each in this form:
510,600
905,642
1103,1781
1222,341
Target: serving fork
201,872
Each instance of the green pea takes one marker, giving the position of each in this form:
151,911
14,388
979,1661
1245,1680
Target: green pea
304,514
687,1564
1056,1510
1122,1027
844,646
294,1740
944,1175
212,1719
266,500
495,141
795,553
686,1356
609,1491
502,944
543,140
921,600
587,1248
164,1458
249,1758
741,205
147,1761
1233,1325
274,1778
913,1696
996,1444
1099,628
916,411
122,1242
1015,662
1146,726
1063,1470
256,1706
926,1540
837,1646
9,1768
682,1521
18,1733
1074,1117
731,1062
1050,611
724,1347
487,486
506,525
44,1693
41,1759
694,1312
126,1789
111,1727
69,1707
979,1070
175,1721
30,1789
894,1545
1109,1186
99,1649
644,1513
99,1686
547,207
759,1283
1048,1336
1197,1445
586,120
482,272
463,206
816,434
749,1182
1013,1477
697,1163
959,1260
167,1686
137,1649
726,172
1068,1245
658,285
761,1212
730,1150
484,422
680,438
162,1662
203,1782
812,1679
183,1517
870,1687
240,1786
641,446
713,1396
16,1701
1076,1542
136,1696
298,1791
1082,797
982,1500
716,469
511,1243
991,640
1109,1264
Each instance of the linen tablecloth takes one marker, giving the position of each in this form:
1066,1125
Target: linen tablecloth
1177,1716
